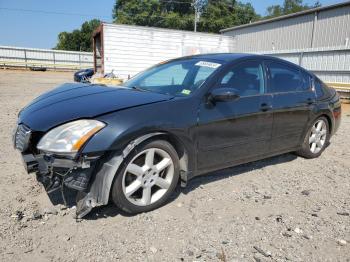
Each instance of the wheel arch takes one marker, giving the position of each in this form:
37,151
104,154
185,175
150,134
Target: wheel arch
185,153
185,158
329,120
100,187
181,142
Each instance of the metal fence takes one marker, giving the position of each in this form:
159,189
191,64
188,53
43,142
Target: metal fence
46,58
332,65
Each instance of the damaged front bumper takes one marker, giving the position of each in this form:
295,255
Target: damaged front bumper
56,173
91,175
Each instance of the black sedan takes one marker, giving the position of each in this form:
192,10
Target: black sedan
186,117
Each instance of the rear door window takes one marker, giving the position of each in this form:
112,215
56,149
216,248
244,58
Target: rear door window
284,78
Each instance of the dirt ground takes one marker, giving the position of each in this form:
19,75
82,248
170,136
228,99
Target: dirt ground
279,209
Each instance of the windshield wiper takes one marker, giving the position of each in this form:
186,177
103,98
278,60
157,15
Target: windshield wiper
138,88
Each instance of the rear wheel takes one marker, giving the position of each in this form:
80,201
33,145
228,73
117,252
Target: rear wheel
148,177
316,139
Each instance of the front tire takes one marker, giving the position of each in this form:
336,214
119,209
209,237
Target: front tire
316,139
148,177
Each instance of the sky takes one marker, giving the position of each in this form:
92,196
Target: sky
24,28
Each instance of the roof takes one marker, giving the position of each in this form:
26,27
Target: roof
230,57
309,11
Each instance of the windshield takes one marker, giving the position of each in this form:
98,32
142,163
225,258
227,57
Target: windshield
181,77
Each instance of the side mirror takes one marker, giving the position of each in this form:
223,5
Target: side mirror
223,95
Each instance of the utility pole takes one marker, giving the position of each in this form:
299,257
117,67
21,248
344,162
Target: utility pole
195,16
197,6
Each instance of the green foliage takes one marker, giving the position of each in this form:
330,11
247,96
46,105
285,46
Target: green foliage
79,39
179,14
289,7
223,14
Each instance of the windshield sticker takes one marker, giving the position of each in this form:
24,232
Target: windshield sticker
186,92
208,64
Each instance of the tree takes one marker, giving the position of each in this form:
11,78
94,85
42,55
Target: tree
179,14
289,7
79,39
163,13
223,14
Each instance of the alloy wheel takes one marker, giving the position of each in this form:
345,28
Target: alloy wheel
148,176
318,136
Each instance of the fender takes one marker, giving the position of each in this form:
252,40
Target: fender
100,187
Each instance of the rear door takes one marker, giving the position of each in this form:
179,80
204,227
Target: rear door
292,100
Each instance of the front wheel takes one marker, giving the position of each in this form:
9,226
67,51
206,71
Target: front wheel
316,139
148,177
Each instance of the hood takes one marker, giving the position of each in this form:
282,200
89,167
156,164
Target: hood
75,101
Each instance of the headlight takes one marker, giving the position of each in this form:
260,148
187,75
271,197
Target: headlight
70,137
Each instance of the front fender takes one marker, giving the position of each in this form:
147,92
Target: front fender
101,184
175,116
128,128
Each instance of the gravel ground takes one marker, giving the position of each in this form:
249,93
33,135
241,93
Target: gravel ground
279,209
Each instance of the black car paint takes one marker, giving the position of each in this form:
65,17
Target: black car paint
208,136
74,101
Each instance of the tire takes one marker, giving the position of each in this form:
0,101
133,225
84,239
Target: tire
143,184
315,141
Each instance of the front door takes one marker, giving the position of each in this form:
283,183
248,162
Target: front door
229,132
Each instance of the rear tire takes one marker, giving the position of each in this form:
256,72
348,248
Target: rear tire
316,139
148,177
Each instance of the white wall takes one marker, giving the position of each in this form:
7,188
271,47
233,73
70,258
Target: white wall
131,49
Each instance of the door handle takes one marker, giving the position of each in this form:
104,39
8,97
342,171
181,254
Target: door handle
265,107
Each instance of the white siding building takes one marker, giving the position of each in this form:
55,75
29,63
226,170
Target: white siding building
130,49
